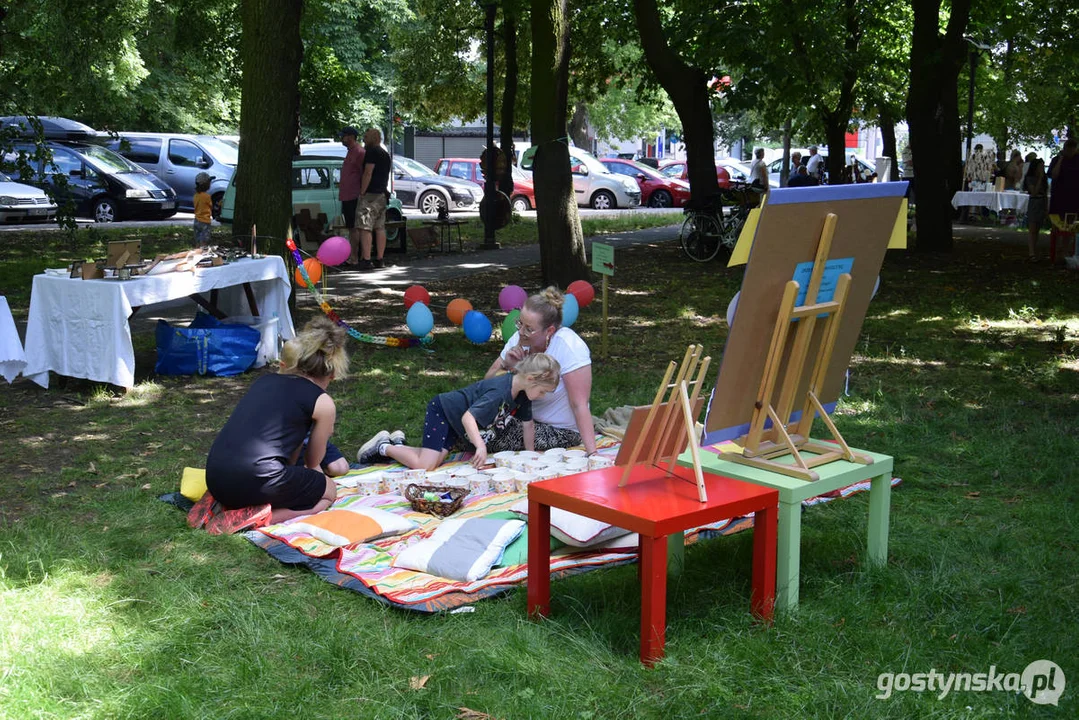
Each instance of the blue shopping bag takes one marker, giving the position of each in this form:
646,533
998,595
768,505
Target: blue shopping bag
206,347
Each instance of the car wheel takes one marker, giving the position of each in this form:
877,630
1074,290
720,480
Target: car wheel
393,234
660,199
603,200
430,202
105,210
215,207
520,204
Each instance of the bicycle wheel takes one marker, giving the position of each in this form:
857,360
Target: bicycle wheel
700,237
731,229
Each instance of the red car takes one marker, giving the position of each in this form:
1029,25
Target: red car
679,169
657,190
523,196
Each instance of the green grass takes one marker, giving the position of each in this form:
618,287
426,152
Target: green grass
967,372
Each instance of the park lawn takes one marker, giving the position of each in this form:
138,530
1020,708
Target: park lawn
967,372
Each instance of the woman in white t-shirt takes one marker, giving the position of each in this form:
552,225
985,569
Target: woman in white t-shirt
564,417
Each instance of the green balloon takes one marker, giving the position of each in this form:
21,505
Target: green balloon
509,325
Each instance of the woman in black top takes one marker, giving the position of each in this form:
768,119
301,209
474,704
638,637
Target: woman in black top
255,458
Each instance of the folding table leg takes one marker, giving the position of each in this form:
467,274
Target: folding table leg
880,501
653,598
788,554
539,559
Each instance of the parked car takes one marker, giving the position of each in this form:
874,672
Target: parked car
865,168
593,185
679,169
657,190
24,203
176,159
101,184
523,196
421,187
53,128
315,181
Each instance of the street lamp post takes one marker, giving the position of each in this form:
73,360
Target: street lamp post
976,48
489,191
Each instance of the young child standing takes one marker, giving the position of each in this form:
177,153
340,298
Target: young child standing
252,470
203,210
463,413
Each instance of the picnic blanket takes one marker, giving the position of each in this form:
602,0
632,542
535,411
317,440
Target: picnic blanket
367,568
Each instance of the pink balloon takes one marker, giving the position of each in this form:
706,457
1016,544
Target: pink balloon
333,251
512,297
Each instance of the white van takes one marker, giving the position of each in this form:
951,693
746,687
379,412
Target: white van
176,159
593,185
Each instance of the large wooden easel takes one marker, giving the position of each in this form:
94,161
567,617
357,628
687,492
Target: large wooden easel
655,444
785,368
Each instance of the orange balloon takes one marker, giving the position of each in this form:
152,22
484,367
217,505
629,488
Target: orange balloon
314,271
457,309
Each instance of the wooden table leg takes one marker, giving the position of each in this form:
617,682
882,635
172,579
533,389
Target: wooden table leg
539,559
251,299
765,524
880,501
653,598
788,554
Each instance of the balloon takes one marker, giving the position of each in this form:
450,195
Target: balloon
477,327
420,320
314,271
509,325
457,309
417,294
570,310
731,308
512,297
334,251
583,291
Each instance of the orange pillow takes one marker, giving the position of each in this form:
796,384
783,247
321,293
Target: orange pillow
346,526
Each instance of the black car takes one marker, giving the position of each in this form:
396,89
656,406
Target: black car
102,184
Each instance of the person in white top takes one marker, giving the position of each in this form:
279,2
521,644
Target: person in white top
815,164
758,171
564,417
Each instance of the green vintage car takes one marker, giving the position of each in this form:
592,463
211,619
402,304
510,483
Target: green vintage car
314,186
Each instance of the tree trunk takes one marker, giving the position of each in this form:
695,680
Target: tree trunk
509,98
687,87
887,134
561,241
933,116
835,134
271,52
578,127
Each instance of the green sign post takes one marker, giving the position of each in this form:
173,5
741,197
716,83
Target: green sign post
603,263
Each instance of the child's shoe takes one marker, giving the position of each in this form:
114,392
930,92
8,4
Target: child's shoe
368,452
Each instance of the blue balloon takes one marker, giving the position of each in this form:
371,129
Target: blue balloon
477,327
420,320
570,310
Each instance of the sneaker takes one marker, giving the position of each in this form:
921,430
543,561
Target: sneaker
365,265
234,521
368,452
397,437
377,263
203,511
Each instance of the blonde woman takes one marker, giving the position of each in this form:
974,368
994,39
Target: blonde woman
564,417
464,413
254,462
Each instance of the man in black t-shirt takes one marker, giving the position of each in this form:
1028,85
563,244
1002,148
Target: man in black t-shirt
374,192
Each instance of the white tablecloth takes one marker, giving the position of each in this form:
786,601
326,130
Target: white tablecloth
12,358
79,328
995,201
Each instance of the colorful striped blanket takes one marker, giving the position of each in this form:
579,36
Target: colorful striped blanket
367,568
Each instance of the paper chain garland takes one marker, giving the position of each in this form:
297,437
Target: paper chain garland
389,341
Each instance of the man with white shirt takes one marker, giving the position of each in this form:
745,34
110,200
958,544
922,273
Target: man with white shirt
815,165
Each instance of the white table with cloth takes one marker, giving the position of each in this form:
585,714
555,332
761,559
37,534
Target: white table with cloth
12,357
995,201
79,328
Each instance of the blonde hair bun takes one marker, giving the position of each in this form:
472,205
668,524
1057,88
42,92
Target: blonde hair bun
318,351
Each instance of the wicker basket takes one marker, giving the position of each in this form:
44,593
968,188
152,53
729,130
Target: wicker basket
414,494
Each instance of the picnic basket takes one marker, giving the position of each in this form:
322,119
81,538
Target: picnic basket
415,496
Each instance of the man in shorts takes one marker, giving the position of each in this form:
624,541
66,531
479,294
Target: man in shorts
348,191
374,192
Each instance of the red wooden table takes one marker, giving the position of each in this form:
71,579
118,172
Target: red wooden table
654,505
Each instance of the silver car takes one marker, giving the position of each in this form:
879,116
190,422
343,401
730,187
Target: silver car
24,203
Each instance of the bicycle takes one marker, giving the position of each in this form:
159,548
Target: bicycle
707,229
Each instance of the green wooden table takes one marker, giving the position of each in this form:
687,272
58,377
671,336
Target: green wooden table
792,491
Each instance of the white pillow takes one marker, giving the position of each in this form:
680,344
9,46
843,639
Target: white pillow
461,549
576,530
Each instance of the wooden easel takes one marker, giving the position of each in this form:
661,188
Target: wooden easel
786,436
663,422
